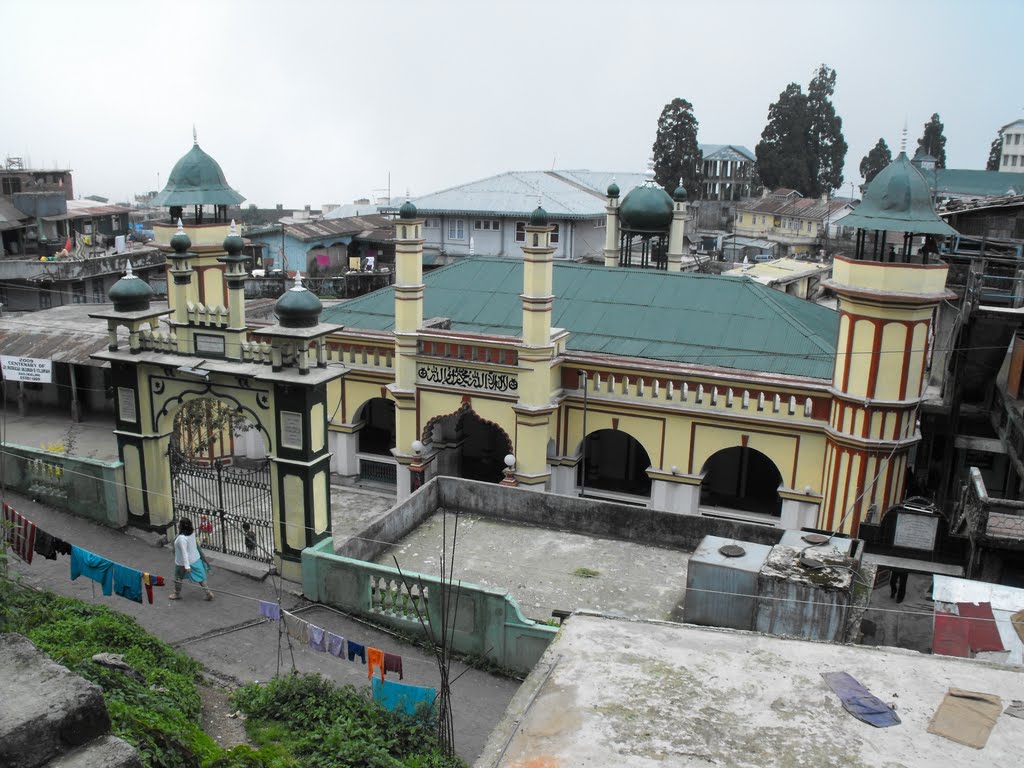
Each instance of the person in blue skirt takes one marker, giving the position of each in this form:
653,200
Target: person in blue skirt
188,561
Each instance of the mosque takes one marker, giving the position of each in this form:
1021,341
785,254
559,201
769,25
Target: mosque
629,380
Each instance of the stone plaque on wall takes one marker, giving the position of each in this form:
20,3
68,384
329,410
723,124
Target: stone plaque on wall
126,404
469,378
291,429
207,344
916,531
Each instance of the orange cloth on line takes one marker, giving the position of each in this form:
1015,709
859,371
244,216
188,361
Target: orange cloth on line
375,658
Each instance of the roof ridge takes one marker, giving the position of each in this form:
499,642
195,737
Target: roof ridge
772,297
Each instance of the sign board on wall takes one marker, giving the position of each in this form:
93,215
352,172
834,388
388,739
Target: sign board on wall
30,369
207,344
126,404
470,378
291,429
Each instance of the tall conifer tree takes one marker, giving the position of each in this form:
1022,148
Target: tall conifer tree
676,153
933,141
875,160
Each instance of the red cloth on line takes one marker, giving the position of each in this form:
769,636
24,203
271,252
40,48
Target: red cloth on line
951,635
392,663
375,658
983,634
149,581
19,533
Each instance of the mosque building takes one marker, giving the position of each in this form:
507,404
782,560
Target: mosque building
629,380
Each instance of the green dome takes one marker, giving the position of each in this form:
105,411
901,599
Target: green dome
646,208
407,211
898,199
680,194
197,179
233,243
613,189
298,307
181,241
539,217
130,293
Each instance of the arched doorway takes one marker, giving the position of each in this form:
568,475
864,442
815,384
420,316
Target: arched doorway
468,446
225,494
742,478
377,435
615,461
484,448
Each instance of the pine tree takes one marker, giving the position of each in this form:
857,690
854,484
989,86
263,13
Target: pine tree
783,156
676,154
933,142
995,153
875,160
825,133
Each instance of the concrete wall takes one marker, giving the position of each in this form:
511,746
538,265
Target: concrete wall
597,518
486,622
85,487
503,242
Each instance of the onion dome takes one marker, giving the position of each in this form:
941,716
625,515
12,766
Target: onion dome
233,243
130,293
898,199
196,179
680,194
613,189
180,242
298,307
539,217
646,208
407,211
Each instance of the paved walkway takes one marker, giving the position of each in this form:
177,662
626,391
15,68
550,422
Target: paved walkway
92,438
227,635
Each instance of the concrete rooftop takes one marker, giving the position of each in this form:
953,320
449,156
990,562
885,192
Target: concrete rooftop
611,692
538,566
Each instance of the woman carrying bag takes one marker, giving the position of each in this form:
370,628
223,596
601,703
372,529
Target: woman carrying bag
188,560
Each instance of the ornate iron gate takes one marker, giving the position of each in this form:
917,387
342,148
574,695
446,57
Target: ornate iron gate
228,504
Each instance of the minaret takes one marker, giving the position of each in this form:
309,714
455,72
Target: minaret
408,320
887,297
611,235
677,234
234,277
536,355
181,289
538,273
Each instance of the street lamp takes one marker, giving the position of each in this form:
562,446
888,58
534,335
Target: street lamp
583,460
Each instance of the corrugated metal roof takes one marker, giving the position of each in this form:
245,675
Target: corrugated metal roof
62,334
801,207
354,226
959,181
572,194
11,217
681,317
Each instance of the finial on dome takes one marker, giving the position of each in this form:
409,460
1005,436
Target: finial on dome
181,227
128,269
649,173
233,230
195,137
298,282
903,139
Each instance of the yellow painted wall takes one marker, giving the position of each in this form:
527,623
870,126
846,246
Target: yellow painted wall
321,512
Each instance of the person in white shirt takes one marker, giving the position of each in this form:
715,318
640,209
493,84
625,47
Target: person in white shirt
188,562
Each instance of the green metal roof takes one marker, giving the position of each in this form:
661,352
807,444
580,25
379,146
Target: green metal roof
730,322
961,181
898,199
196,179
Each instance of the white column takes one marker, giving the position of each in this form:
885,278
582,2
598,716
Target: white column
798,514
563,479
344,446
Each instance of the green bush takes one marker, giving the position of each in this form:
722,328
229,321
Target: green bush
338,726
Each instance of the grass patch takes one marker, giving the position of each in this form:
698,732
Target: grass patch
586,573
296,720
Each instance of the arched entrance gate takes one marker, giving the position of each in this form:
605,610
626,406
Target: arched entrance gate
225,495
468,446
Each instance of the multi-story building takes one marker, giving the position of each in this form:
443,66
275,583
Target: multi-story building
1012,159
728,171
796,223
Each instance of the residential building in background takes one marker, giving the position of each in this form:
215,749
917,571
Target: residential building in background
797,224
728,171
489,217
1012,160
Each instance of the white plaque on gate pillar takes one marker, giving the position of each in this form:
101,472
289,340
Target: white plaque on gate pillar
126,404
291,430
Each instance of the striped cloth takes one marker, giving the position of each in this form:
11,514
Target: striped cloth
19,533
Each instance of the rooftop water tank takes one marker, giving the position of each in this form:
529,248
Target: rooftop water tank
721,582
815,543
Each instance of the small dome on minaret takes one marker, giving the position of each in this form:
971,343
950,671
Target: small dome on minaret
407,211
131,293
298,307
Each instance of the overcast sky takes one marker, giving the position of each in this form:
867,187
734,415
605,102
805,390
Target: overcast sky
318,102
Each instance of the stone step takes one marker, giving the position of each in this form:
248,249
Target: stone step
105,752
46,709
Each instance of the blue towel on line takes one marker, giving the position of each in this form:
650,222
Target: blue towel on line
399,696
128,583
99,569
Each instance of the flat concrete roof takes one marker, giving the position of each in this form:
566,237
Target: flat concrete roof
540,567
613,692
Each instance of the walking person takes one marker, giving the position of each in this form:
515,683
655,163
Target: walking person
898,584
188,561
